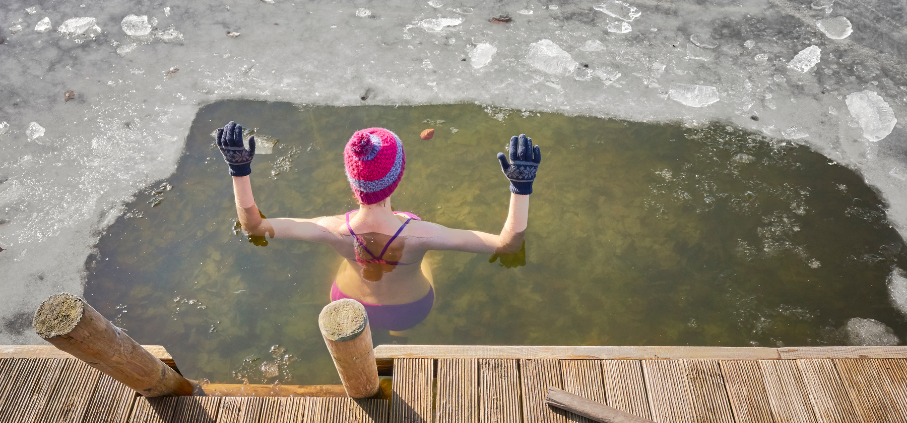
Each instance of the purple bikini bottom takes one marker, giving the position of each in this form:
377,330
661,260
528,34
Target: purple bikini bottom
394,317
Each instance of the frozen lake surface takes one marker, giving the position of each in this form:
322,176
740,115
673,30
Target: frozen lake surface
98,97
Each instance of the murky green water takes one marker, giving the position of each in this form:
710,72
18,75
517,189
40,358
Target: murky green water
639,235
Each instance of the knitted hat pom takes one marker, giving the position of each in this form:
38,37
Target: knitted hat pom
374,160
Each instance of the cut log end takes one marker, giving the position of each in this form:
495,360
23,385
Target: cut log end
342,320
58,315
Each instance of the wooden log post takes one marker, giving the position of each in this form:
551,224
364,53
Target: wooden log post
70,324
344,326
589,409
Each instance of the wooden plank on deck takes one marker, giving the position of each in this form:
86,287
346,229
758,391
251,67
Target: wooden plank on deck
895,379
50,351
458,383
240,409
69,402
842,352
29,395
345,410
385,352
827,392
536,376
412,390
865,385
625,387
746,391
786,392
154,410
499,388
110,402
669,391
284,410
196,410
709,394
583,378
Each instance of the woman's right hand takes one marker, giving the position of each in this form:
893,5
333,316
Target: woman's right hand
524,163
229,141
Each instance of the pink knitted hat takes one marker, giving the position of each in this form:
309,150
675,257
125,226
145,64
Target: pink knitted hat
374,160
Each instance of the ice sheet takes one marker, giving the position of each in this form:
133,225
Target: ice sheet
126,126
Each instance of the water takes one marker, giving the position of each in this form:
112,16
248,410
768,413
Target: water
639,234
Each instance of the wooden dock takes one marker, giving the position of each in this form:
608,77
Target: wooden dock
475,384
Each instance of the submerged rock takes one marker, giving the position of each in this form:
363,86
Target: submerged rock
550,58
873,114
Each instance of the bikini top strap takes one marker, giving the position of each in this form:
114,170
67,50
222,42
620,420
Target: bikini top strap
394,237
356,237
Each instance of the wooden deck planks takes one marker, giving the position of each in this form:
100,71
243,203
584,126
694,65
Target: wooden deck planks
625,387
154,410
865,384
69,402
284,410
708,392
786,391
746,391
518,352
458,383
345,410
895,380
670,398
535,378
411,400
827,392
110,402
499,391
583,378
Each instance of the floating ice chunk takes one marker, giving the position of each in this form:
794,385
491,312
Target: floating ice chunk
607,75
897,289
268,1
793,133
761,58
126,48
438,24
697,53
31,10
435,3
837,28
363,12
823,4
83,28
749,44
34,131
743,158
171,35
43,25
524,12
16,27
619,27
550,58
703,41
592,45
868,332
4,127
481,55
618,9
693,95
873,114
167,11
805,59
136,26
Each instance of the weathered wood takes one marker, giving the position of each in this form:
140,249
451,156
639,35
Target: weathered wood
589,409
70,324
154,410
384,352
284,410
708,392
346,410
411,399
583,378
457,399
499,388
344,327
669,391
536,376
894,377
826,391
864,383
786,392
625,387
793,353
50,351
240,410
69,402
110,402
256,390
195,410
36,393
746,391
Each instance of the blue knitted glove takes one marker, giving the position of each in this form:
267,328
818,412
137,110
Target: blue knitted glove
524,162
229,141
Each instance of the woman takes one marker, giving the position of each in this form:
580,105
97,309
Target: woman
384,250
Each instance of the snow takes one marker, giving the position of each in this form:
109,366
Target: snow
873,114
806,59
618,9
63,189
897,289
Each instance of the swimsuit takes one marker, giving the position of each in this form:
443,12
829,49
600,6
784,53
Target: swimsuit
394,317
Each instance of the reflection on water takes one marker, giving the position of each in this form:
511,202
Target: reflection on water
638,235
